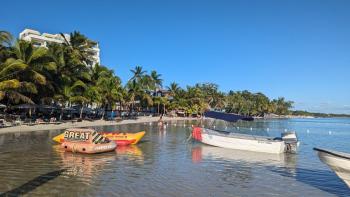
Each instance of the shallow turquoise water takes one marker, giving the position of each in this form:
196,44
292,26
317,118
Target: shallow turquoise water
166,164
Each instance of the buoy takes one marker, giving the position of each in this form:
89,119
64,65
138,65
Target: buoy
308,131
251,128
330,132
267,129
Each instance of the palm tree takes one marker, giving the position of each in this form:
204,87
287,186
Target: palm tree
196,100
39,65
140,86
282,106
69,70
157,100
173,89
138,73
133,90
146,82
28,69
164,102
5,38
5,43
80,95
12,88
109,89
156,80
80,48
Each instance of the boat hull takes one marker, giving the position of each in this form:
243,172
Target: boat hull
125,138
339,162
86,141
88,148
256,144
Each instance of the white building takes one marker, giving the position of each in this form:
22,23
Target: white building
41,40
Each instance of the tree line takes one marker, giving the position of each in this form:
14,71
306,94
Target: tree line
63,75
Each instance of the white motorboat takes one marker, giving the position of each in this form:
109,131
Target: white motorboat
288,141
339,162
246,142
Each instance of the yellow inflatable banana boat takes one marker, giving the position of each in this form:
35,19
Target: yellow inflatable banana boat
120,139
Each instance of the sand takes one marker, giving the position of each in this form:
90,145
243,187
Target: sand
42,127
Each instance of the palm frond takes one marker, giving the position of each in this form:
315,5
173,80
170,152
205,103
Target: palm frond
10,84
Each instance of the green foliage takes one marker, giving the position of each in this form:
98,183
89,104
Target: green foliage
256,104
62,74
316,114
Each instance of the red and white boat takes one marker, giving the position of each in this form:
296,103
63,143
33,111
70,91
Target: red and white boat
288,142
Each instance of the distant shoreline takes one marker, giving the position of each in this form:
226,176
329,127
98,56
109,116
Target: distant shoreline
285,117
84,123
299,117
143,119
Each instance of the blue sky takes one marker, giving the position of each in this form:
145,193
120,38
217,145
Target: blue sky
296,49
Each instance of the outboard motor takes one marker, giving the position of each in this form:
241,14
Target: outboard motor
291,141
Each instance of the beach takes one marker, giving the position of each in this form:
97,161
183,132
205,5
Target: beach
84,123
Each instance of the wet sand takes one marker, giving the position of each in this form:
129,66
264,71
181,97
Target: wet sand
84,123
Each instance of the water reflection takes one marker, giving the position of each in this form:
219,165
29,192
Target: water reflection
131,153
201,151
87,166
165,164
83,165
237,167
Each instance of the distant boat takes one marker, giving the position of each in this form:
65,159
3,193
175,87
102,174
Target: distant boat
339,162
288,142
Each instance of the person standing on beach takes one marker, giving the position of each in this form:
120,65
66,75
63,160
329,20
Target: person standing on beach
160,121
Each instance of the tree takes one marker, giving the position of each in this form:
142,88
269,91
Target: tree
80,48
196,102
174,89
12,88
134,90
5,44
157,101
80,94
109,89
39,67
156,80
5,39
138,73
282,106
